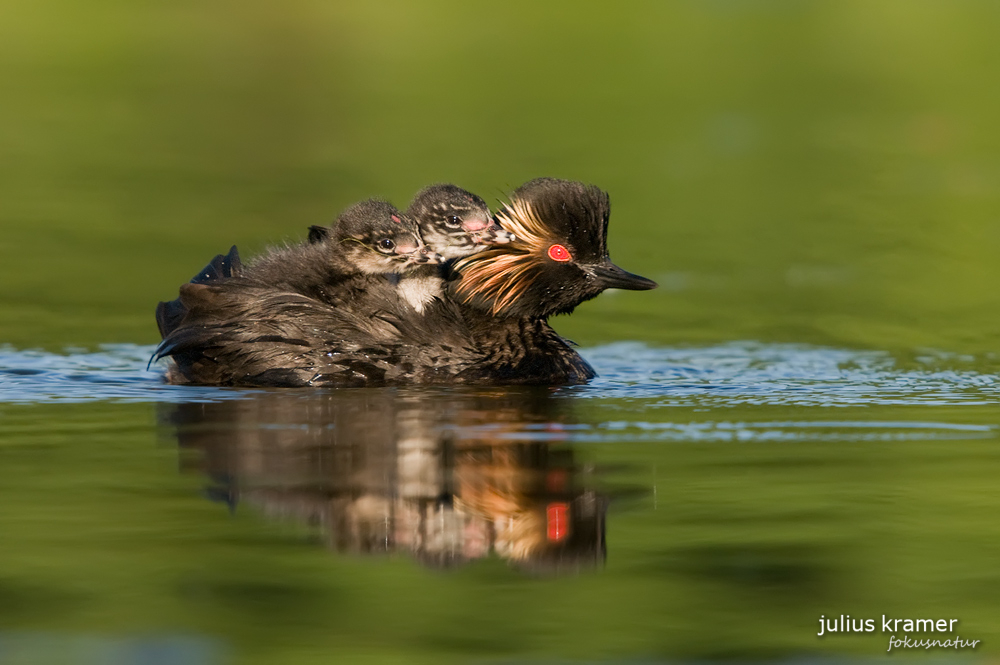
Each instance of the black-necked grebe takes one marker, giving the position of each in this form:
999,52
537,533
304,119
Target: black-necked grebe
489,326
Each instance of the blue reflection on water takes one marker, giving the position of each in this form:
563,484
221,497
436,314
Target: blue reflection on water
743,373
748,373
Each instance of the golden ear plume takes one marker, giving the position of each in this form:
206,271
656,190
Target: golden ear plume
519,218
502,275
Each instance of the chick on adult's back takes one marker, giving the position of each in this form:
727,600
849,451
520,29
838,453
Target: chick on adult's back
489,326
266,323
454,223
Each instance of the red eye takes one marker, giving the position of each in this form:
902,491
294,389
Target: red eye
559,253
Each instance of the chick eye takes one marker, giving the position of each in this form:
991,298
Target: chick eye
559,253
386,245
453,221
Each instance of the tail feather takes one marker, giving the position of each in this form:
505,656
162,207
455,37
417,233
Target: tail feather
223,266
170,314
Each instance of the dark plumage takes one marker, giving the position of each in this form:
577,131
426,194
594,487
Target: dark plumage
558,259
224,266
490,328
247,325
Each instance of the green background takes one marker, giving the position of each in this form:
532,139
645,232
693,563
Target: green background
788,170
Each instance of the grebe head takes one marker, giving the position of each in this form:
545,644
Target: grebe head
558,259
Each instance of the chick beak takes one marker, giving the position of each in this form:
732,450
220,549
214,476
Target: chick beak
417,254
423,255
611,276
492,235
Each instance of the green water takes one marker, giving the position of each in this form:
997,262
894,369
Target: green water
823,173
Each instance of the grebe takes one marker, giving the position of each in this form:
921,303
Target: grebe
488,326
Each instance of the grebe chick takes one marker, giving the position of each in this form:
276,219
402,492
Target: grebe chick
454,222
369,238
236,324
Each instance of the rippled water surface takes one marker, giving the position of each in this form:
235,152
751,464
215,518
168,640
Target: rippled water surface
716,500
726,375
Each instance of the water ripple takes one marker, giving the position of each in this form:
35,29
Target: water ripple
735,374
116,373
751,432
747,373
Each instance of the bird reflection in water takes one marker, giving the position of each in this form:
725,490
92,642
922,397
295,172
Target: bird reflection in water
448,476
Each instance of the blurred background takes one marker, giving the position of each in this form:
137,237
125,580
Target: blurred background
788,170
811,171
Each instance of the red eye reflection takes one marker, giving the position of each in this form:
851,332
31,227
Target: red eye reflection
559,253
557,521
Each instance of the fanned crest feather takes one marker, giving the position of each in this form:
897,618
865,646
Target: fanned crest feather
501,276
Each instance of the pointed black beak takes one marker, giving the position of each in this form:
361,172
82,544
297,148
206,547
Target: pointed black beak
613,277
